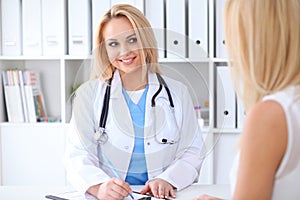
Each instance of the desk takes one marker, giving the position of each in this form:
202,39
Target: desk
38,193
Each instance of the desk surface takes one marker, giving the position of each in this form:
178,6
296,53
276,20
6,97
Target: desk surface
38,193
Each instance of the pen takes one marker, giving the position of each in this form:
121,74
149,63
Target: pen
113,170
55,197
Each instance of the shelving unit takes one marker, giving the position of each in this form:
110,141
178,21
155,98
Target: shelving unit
60,73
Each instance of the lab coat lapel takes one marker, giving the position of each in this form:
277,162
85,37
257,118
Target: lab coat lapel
153,87
120,112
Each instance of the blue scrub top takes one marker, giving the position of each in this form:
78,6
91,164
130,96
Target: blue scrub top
137,172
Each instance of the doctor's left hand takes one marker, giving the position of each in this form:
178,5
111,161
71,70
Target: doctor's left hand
159,188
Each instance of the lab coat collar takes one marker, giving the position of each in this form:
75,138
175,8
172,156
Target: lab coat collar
118,103
116,85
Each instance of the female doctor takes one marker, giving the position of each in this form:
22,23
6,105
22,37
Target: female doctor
130,125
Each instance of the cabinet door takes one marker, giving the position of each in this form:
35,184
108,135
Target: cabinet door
225,149
32,154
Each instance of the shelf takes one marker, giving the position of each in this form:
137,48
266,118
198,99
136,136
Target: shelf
30,125
184,60
233,130
13,58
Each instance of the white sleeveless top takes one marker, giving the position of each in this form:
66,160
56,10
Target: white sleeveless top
287,178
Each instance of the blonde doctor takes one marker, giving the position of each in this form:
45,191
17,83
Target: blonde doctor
130,125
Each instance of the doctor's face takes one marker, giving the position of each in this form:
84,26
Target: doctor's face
122,45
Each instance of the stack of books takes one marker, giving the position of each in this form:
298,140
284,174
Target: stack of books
23,96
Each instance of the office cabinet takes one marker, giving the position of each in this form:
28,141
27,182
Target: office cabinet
62,73
32,154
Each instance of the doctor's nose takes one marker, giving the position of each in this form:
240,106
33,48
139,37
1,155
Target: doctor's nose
124,50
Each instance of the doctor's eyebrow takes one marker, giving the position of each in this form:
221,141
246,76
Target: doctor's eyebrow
115,39
130,36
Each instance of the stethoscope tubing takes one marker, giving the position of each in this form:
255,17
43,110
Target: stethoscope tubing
101,135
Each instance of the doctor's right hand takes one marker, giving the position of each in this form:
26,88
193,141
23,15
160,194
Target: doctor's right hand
113,189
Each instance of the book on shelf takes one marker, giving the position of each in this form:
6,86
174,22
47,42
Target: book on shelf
23,96
12,94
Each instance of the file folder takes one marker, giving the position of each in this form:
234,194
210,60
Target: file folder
219,30
198,29
175,29
154,11
11,27
32,27
99,7
54,23
80,29
226,100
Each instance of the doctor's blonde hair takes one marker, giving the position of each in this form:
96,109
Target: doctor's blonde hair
102,68
263,42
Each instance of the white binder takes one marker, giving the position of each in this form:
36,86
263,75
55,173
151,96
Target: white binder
32,27
175,27
219,30
226,101
99,7
11,27
53,23
154,11
198,29
137,3
79,12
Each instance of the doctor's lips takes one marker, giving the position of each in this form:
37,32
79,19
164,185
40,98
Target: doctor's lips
127,60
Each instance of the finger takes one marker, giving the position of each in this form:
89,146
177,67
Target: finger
154,191
145,189
123,185
161,192
120,188
172,193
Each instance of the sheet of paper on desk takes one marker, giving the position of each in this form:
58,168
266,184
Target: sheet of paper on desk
72,195
140,197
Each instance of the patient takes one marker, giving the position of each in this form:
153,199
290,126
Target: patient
263,42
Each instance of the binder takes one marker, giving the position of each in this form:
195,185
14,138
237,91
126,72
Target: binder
32,27
219,30
226,101
154,11
79,16
98,9
175,29
11,27
53,24
198,29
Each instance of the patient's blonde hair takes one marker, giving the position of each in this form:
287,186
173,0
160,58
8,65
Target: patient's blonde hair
263,43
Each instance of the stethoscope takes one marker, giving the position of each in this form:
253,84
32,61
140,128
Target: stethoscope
101,136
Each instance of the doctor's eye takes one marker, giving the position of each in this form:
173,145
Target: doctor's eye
133,40
113,44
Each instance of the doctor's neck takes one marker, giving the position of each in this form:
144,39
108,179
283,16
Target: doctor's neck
135,80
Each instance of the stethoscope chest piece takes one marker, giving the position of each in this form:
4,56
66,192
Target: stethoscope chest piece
101,136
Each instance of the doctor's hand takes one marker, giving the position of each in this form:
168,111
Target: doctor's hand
159,188
113,189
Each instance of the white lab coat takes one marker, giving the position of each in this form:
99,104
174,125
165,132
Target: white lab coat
177,163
